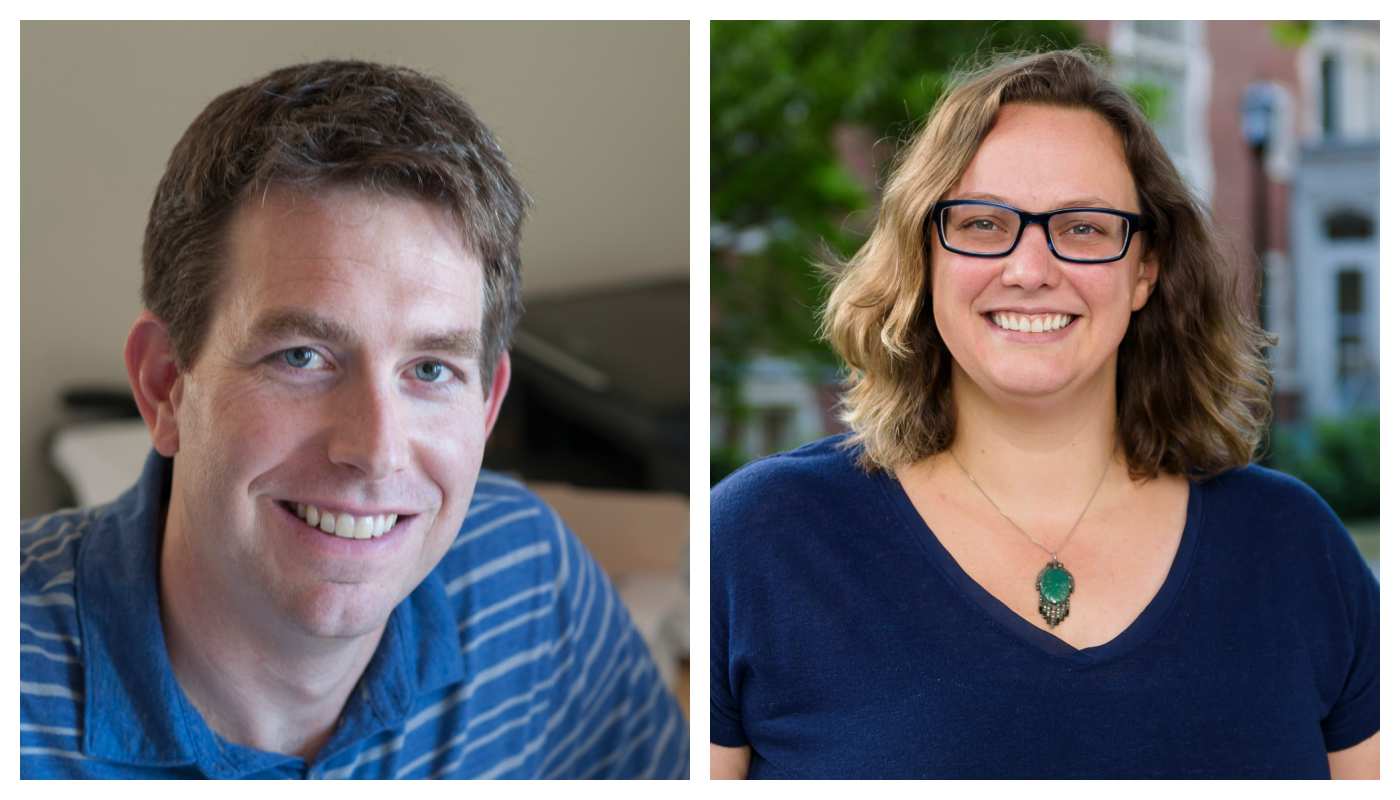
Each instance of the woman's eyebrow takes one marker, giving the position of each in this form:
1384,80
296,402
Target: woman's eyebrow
1073,202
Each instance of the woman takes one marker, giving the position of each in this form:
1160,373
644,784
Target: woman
1042,551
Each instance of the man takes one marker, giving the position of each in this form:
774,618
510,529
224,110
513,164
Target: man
311,577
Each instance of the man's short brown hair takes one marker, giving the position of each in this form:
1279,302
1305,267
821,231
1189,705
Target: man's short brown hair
322,124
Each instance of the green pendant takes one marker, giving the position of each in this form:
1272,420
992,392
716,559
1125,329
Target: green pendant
1055,585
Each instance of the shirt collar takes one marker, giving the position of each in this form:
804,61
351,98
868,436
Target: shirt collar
134,709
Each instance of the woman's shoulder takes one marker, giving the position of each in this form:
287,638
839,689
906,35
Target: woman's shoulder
1281,511
1260,489
797,492
815,468
792,520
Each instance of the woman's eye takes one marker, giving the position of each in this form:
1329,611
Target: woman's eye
300,357
432,372
1084,229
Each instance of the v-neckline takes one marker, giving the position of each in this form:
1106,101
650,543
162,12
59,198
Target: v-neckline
1142,627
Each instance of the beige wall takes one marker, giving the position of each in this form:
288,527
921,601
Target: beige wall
593,115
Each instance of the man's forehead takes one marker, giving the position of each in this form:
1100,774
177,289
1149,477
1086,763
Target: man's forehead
347,223
335,267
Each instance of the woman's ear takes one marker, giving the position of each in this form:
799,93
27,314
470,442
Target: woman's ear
155,379
1146,280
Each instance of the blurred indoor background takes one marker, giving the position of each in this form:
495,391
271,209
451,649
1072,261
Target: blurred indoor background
595,118
1275,124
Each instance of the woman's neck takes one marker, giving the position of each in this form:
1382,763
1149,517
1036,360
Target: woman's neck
1036,457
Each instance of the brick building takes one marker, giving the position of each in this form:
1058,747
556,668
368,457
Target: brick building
1311,217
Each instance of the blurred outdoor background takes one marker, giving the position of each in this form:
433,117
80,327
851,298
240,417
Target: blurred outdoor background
1275,124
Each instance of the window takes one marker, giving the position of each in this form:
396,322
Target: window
1167,60
1340,71
1348,225
1371,81
775,428
1351,347
1330,96
1170,80
1168,30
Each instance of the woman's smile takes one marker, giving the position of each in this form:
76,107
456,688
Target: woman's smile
1034,328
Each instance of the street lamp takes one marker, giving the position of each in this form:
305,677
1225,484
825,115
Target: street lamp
1257,123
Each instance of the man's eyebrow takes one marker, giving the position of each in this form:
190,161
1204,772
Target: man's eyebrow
461,342
294,322
299,323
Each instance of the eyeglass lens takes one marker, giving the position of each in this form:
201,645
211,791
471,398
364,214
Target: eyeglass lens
989,230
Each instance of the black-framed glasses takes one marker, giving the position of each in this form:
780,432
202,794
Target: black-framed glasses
989,230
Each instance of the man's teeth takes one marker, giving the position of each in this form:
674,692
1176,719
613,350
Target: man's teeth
344,525
1039,323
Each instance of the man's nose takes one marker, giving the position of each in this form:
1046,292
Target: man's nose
368,432
1032,264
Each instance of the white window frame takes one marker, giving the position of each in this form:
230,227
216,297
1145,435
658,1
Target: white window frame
1191,57
1351,47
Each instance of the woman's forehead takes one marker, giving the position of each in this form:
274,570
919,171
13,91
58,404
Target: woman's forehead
1040,157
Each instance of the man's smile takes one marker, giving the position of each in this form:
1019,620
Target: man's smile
344,524
348,523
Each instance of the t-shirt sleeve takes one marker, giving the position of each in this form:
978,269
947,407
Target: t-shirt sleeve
726,724
619,718
1356,713
726,729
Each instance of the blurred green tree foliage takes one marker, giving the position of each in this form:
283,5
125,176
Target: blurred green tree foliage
1339,458
1291,33
783,98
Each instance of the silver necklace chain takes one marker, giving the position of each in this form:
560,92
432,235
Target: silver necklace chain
1032,540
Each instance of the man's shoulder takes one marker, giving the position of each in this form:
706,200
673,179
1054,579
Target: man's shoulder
503,511
546,637
510,541
50,638
48,555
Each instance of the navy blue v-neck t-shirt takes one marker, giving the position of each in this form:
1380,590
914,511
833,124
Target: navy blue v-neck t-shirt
845,642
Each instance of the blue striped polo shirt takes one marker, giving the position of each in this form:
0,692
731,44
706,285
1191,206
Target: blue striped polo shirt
513,659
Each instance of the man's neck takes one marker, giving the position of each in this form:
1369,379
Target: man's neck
255,682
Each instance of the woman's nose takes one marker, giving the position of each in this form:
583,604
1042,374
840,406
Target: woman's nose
1031,264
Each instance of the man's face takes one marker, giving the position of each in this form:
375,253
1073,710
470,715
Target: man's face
340,371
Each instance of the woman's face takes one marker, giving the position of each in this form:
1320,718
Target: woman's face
1040,158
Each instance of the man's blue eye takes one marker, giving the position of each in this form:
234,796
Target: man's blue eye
299,357
430,371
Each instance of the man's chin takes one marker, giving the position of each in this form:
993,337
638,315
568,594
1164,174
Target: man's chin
342,611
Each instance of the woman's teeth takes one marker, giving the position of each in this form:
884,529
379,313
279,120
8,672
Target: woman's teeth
344,525
1038,323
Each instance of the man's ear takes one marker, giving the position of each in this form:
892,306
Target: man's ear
156,382
500,382
1146,280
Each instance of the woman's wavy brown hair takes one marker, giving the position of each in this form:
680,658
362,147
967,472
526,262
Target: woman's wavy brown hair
1193,385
